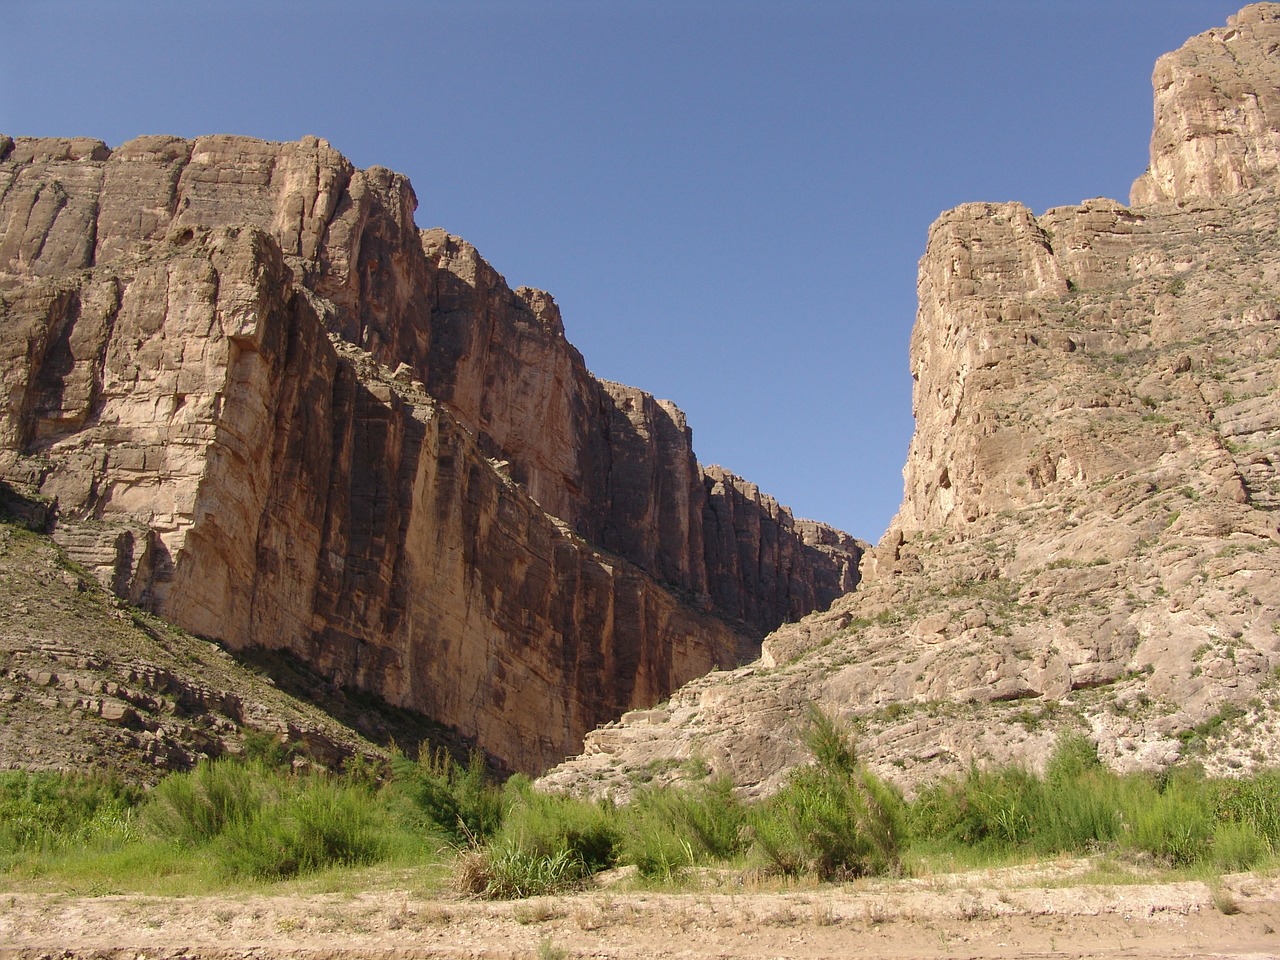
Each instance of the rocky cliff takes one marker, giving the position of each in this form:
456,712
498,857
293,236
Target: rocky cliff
1089,535
264,405
1217,105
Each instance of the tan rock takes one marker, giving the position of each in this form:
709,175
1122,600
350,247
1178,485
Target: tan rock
1089,535
1217,129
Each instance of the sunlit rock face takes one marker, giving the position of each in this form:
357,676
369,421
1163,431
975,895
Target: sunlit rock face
1217,128
274,411
1089,537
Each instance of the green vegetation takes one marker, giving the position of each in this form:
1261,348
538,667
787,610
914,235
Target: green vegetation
834,819
1179,818
258,820
43,813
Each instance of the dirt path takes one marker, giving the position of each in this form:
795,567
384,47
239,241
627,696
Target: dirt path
990,914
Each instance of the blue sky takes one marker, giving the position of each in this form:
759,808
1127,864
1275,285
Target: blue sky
728,199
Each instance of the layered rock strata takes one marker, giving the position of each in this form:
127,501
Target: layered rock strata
267,407
1089,536
86,681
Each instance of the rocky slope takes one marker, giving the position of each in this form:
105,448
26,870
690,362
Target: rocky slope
262,404
87,681
1089,532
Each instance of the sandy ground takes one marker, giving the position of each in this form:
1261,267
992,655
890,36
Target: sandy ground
1048,912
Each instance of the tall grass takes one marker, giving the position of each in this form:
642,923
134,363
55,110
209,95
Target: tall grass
459,801
1178,818
197,807
316,825
833,819
265,822
1076,806
256,820
546,843
50,811
1247,817
667,830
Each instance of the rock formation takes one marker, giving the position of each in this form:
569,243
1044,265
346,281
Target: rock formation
86,681
1217,129
1089,535
266,406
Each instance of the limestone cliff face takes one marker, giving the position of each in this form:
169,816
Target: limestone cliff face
1217,99
1090,530
614,462
758,551
1031,329
270,409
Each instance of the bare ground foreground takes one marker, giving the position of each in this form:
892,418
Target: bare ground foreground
1050,911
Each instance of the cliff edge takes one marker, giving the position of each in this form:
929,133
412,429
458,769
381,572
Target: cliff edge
254,398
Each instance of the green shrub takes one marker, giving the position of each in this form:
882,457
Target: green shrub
459,801
833,819
546,842
1081,802
1236,846
42,811
1079,815
319,824
267,823
1175,824
196,807
268,749
664,830
507,871
986,809
1254,801
547,824
1074,756
1075,807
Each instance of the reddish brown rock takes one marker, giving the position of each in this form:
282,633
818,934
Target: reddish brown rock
269,408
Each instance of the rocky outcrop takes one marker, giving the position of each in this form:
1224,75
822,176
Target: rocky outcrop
268,408
1090,530
86,681
614,462
760,556
1217,129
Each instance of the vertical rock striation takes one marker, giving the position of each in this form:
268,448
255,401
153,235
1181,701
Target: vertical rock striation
1217,107
271,409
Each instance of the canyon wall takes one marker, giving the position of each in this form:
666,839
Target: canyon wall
266,406
1089,537
1217,112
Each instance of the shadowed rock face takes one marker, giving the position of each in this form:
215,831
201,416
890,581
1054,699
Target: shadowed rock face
1089,536
272,410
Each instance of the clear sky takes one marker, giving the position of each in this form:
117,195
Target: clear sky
728,199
